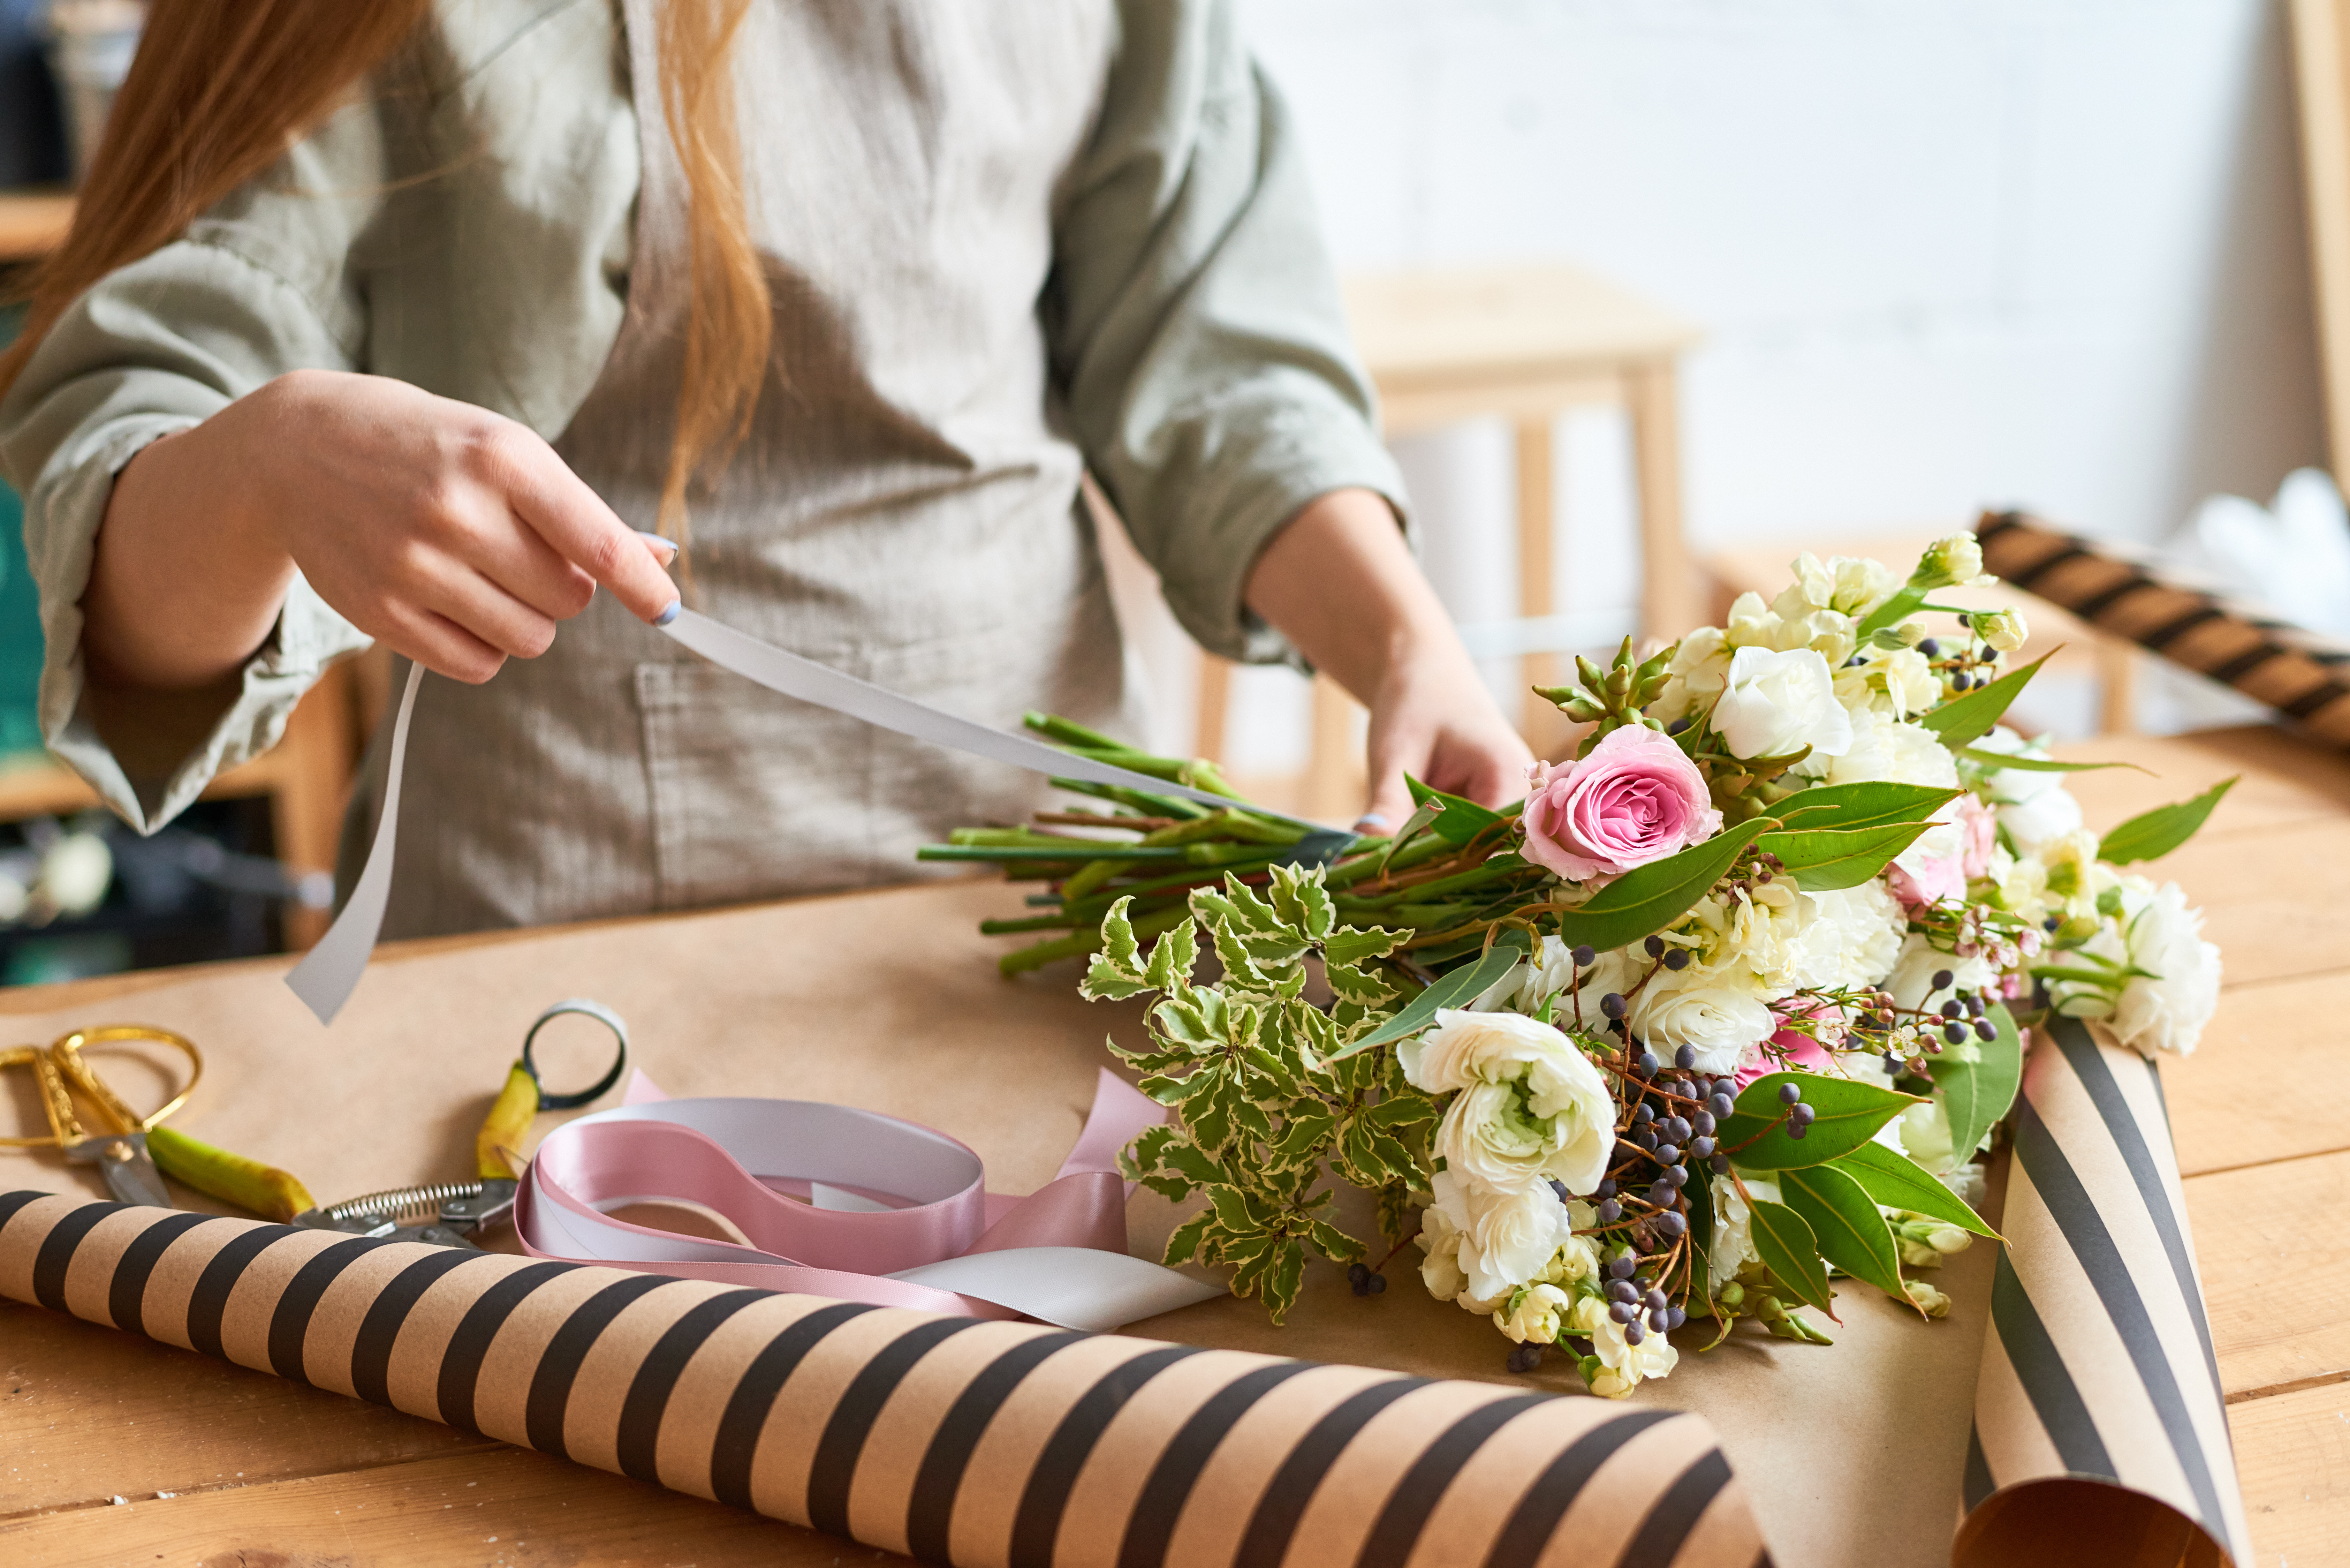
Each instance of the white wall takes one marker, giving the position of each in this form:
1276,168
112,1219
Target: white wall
1948,253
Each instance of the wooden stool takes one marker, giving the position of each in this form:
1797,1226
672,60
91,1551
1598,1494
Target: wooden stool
1527,343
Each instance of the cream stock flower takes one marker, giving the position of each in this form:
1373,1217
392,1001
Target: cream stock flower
1896,682
1528,1107
1847,938
1553,972
1623,1365
1774,703
1537,1314
2035,807
1912,980
1440,1233
1734,1228
1954,562
2002,628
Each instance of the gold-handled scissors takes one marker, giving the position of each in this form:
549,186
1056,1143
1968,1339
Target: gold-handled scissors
127,1147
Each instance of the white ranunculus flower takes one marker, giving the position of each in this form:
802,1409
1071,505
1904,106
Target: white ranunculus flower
1443,1225
1775,703
1623,1365
1912,980
1510,1238
1733,1229
1722,1023
1529,1107
1888,749
1539,1315
2166,1013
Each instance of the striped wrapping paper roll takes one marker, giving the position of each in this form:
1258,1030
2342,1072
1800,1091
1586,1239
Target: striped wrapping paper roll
2297,673
981,1443
2101,1433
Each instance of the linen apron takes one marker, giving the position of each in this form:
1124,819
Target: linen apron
903,509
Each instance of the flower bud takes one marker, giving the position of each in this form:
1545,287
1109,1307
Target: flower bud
1956,561
2002,628
1949,1238
1926,1299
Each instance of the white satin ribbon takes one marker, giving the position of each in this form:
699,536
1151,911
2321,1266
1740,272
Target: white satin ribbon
326,975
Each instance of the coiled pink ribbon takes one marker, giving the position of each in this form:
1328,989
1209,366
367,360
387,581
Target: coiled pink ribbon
851,1204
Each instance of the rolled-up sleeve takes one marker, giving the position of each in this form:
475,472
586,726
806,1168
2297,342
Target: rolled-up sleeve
1197,333
255,290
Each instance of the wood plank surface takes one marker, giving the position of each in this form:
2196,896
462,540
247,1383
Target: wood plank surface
728,1001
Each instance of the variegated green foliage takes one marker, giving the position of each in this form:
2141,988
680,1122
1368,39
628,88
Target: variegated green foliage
1270,1106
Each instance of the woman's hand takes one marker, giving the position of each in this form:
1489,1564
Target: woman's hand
454,535
1340,581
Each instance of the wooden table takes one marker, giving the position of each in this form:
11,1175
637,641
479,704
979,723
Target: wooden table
113,1450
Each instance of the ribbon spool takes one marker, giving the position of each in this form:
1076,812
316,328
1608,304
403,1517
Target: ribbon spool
851,1204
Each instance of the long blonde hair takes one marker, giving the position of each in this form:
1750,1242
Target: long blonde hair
221,89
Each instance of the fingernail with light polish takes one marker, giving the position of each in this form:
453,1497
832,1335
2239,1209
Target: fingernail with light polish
1370,822
655,541
669,614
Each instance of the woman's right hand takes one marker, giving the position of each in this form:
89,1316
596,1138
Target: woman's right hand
454,535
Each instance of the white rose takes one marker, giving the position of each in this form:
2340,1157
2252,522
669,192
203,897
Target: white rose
1553,973
1723,1024
1774,703
1912,980
1508,1239
1888,749
1623,1365
2035,807
1531,1107
1538,1316
2167,1011
1925,1135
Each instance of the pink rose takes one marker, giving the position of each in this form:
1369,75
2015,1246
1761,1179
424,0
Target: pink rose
1636,798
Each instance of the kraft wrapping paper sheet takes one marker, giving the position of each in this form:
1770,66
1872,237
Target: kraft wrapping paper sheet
986,1445
2301,674
1866,1452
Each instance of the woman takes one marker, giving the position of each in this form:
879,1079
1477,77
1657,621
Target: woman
843,295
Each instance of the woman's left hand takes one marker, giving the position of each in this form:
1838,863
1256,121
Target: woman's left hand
1340,582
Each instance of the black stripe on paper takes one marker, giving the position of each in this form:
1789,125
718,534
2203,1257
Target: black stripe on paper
930,1510
2032,576
209,1300
2244,664
1156,1512
290,1322
387,1314
2178,626
736,1444
2075,1213
1532,1523
1267,1541
851,1422
2096,604
558,1364
460,1361
2047,1382
648,1400
10,1202
1978,1484
58,1249
1396,1529
2318,698
126,1293
1037,1524
1676,1513
2095,1074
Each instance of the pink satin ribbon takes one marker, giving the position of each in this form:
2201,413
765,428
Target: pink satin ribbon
851,1204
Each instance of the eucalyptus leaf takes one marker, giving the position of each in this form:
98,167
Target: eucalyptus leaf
1970,716
1457,821
1977,1094
1875,803
2001,760
1784,1241
1453,990
1821,862
1843,1219
1899,1182
1654,896
1846,1115
2155,833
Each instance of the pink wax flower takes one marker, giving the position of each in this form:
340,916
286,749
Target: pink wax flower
1980,828
1636,798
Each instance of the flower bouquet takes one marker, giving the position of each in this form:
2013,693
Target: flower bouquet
1729,1005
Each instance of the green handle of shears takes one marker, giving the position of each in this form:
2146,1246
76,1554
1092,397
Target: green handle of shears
497,1148
263,1188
